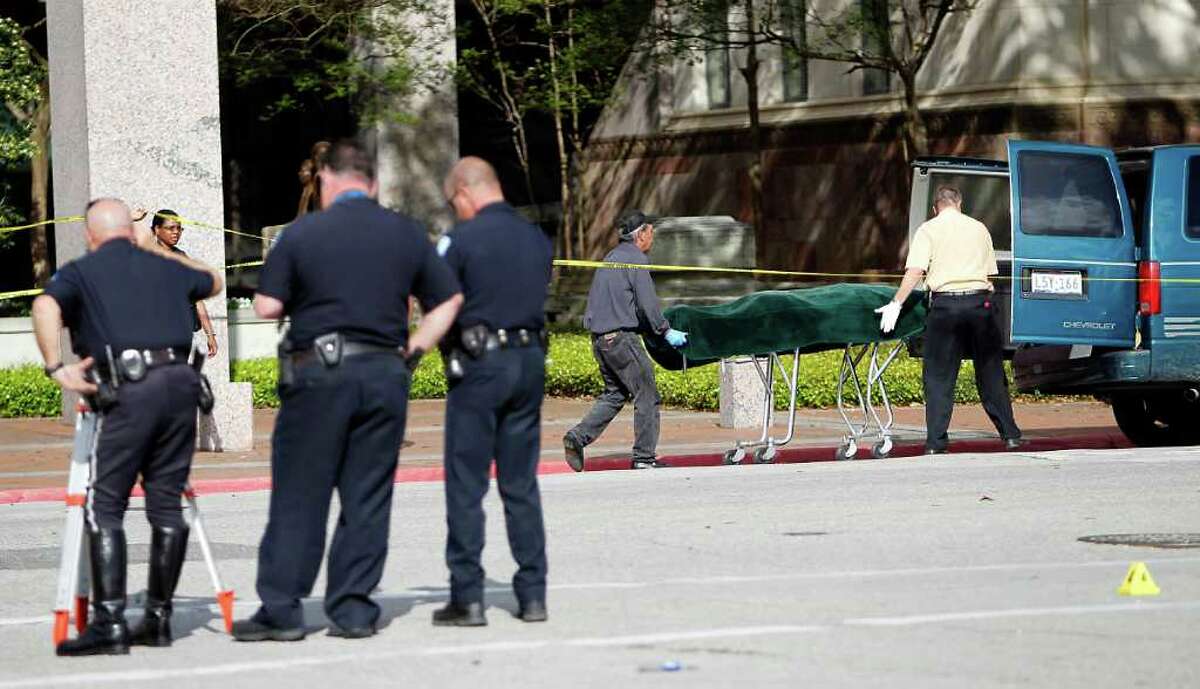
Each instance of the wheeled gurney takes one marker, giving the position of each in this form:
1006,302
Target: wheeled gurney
768,326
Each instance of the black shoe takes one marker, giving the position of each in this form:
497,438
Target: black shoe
350,632
456,615
648,464
253,630
533,611
573,449
1014,443
936,451
107,634
168,546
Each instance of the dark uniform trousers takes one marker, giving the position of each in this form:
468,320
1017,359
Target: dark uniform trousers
152,432
338,428
628,375
955,325
495,411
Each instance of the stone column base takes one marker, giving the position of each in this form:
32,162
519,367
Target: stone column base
741,393
230,428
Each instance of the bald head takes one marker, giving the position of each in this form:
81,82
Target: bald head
108,218
471,185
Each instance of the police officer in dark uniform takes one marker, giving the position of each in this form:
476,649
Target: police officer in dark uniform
127,309
343,275
496,363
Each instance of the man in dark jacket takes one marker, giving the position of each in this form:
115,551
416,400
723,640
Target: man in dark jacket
621,305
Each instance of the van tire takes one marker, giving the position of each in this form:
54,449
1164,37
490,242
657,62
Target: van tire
1156,420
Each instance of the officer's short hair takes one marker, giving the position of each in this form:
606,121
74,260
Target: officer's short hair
348,156
947,195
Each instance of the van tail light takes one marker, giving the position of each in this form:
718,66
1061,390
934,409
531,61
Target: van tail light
1149,288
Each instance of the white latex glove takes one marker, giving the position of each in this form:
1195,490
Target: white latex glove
890,314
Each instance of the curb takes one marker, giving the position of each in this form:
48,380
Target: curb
795,455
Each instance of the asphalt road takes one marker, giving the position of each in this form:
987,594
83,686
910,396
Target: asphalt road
952,571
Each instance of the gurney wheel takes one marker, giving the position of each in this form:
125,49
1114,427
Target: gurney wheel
765,455
735,456
882,449
847,451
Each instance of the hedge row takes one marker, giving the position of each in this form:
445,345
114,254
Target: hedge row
570,372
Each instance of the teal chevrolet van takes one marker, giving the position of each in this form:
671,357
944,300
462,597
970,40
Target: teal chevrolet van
1099,256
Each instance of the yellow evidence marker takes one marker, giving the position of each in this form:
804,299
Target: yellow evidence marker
1138,582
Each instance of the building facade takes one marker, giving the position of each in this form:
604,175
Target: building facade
675,141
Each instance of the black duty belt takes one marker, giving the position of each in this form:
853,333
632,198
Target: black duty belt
506,338
309,355
132,364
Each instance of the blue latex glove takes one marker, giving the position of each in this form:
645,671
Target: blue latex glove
675,338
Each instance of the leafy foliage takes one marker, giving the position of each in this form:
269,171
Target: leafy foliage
26,391
366,52
21,76
570,372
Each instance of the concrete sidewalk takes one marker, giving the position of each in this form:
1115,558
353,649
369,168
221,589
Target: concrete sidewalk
34,452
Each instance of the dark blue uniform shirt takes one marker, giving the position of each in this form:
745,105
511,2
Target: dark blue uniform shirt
503,262
350,269
122,296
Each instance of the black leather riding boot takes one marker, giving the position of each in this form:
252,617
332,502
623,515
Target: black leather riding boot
168,546
107,634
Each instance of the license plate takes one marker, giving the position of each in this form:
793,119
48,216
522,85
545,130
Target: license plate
1068,282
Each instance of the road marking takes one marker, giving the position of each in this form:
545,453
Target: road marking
912,620
438,594
358,658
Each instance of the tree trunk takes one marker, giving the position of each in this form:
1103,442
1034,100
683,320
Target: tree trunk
564,225
916,136
39,167
750,74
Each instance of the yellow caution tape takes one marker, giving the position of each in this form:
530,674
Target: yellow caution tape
19,293
53,221
571,263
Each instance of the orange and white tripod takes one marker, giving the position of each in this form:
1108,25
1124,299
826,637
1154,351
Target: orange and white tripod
74,576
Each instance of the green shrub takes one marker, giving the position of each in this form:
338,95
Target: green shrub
26,391
570,372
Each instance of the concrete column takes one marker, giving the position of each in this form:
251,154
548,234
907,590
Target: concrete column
741,392
136,110
415,153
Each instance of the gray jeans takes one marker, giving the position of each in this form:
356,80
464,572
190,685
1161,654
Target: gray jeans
628,375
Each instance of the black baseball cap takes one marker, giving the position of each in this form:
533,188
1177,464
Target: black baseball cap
631,220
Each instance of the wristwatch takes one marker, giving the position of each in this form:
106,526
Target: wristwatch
51,370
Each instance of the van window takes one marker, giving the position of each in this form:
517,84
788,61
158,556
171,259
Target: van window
985,198
1193,198
1068,194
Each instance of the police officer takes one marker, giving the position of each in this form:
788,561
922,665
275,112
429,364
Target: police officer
494,406
621,304
343,275
953,253
127,309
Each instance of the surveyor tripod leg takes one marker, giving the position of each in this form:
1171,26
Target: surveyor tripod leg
73,574
224,596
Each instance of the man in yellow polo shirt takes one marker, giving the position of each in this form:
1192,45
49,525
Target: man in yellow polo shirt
953,253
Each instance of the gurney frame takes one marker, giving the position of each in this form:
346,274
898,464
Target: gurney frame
766,447
871,426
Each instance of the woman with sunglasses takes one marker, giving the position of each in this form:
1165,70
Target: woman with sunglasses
167,230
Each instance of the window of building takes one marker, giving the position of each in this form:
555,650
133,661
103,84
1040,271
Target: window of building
876,28
1068,194
716,74
1193,198
795,65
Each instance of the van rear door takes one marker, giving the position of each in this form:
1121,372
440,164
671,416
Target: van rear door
1074,270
